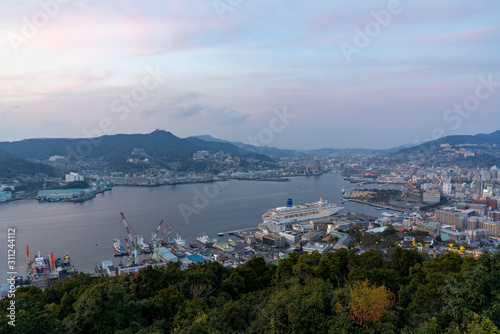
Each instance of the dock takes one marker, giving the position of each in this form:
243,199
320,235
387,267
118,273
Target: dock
242,233
387,207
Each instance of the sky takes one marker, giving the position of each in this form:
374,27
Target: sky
284,73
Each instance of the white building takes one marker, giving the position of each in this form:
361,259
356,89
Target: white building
56,157
72,177
321,247
447,188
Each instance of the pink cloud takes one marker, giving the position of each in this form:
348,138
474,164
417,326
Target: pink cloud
469,35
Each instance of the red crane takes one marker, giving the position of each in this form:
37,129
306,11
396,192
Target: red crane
163,235
132,240
157,230
129,254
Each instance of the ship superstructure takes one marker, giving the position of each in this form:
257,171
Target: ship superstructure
281,217
45,272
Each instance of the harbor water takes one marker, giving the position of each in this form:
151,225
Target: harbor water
86,230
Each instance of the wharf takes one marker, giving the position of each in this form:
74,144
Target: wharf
388,207
243,233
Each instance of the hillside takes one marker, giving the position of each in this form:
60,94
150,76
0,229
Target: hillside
13,167
479,139
272,151
156,144
481,150
337,292
5,154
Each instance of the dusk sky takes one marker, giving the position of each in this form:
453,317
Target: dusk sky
370,74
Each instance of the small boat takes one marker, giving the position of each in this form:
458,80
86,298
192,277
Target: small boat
38,264
117,246
179,241
193,245
204,239
66,261
220,234
143,246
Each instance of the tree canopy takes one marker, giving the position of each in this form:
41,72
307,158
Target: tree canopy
337,292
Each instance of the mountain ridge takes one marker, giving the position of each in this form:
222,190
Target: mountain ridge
158,143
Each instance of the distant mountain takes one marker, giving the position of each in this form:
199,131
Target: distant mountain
280,152
491,138
272,151
161,144
398,148
5,154
209,138
343,150
470,151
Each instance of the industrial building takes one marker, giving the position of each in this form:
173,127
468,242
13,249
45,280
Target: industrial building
5,196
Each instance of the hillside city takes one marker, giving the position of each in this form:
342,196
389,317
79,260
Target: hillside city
436,201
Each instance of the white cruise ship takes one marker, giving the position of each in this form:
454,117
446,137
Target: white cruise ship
291,214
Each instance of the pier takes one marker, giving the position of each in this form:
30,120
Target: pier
242,233
388,207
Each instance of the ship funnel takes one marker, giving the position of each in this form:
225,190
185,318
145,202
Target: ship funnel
289,203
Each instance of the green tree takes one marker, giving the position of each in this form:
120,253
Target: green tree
403,259
256,273
475,291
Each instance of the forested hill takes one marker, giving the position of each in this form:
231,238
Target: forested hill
156,144
12,167
334,293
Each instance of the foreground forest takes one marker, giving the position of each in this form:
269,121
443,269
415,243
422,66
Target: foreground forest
333,293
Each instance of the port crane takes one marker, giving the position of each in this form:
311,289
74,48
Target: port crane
134,256
27,255
155,241
155,235
130,259
169,231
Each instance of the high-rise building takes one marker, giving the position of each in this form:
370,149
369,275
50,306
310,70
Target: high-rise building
479,188
316,166
447,188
